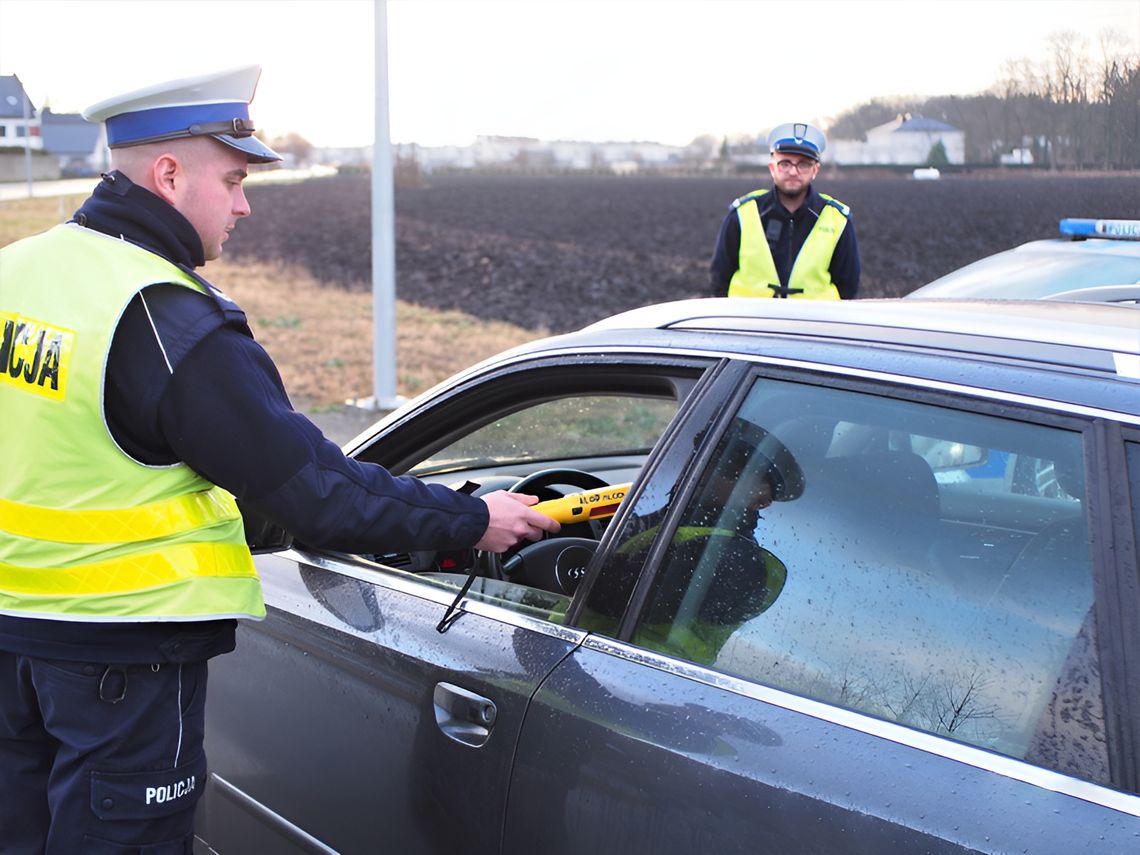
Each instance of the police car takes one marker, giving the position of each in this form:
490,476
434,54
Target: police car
1092,260
872,587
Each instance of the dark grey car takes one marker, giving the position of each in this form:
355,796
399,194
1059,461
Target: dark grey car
874,589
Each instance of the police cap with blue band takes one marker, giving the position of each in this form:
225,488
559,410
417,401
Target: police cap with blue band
797,138
215,105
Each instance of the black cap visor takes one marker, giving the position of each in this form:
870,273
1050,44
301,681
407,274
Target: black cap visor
795,148
254,149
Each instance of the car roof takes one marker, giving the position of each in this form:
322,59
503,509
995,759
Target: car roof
1099,327
1059,356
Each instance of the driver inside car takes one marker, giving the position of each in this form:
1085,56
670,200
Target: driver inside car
715,574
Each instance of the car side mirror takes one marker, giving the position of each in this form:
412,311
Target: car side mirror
262,534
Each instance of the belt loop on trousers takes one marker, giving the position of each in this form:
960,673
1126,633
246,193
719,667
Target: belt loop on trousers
105,689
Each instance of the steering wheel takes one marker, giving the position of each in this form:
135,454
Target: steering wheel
556,564
538,483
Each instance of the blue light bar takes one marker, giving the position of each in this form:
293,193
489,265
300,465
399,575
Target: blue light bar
1113,229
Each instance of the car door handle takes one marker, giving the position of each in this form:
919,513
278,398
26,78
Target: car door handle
462,715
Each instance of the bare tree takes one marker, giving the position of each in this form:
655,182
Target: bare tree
294,145
1075,111
1120,114
941,703
904,700
960,701
854,689
1019,86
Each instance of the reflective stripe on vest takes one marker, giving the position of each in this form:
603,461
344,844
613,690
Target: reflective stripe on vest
137,572
176,588
126,525
810,278
86,532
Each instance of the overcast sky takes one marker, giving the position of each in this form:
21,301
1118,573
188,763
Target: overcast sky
664,70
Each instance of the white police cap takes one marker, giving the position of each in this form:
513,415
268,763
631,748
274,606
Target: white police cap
797,138
214,105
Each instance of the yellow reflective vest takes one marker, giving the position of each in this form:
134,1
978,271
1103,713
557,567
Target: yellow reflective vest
810,278
86,532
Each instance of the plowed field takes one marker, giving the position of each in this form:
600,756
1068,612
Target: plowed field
559,252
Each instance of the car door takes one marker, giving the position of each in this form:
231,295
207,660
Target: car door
347,721
851,667
365,713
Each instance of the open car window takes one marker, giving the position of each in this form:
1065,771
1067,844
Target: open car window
548,433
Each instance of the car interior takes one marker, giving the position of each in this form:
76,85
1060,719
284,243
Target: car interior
563,432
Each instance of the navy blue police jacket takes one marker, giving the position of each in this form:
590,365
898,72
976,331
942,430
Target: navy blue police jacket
786,231
186,381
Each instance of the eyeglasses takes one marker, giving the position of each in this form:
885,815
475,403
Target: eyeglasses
791,165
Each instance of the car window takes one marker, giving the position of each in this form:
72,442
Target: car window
549,447
581,426
920,564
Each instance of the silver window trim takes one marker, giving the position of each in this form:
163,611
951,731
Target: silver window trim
869,374
1007,767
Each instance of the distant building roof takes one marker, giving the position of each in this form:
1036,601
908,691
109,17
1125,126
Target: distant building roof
13,98
924,125
495,138
68,134
910,124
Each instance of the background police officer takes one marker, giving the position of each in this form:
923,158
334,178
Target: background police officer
794,242
142,407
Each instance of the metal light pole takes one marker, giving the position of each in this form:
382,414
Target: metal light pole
383,232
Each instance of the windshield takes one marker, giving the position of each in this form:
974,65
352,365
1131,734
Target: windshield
587,426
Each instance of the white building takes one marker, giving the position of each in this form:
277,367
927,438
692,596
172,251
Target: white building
18,117
1016,157
904,141
531,153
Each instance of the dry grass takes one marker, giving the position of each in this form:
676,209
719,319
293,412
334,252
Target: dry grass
22,217
319,336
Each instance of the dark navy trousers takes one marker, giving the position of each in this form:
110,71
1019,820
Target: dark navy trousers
99,759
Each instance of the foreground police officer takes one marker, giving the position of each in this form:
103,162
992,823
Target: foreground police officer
793,242
136,406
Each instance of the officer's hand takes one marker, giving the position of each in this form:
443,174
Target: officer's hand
512,521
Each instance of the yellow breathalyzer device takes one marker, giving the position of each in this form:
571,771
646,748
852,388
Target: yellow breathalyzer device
589,505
